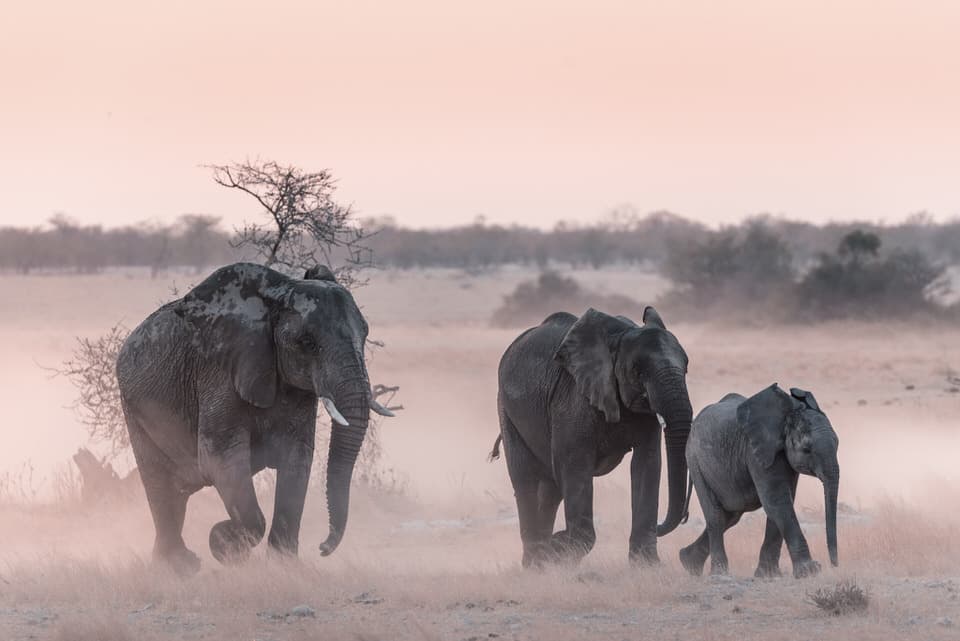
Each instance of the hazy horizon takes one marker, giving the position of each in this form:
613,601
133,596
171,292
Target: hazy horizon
435,114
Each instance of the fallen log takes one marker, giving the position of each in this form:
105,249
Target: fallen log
100,482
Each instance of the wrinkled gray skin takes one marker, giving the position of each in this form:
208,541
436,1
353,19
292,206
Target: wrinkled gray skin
747,453
224,382
575,396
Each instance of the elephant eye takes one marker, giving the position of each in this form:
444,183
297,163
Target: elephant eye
806,449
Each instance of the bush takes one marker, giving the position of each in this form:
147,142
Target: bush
856,281
532,301
92,370
732,271
844,598
750,272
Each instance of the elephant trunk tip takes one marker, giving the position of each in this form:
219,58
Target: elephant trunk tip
328,546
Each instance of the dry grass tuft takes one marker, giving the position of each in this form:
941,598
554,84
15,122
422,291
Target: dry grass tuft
846,597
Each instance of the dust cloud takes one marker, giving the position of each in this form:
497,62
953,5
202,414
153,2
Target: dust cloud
439,558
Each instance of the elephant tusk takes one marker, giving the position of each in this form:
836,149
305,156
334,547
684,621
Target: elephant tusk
663,423
334,413
380,409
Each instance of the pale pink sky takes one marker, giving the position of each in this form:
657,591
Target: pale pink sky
436,111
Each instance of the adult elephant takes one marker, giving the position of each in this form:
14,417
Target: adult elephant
575,395
224,382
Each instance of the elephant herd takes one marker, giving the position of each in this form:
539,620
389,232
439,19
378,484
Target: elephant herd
227,381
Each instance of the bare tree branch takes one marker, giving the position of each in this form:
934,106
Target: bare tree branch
307,226
92,370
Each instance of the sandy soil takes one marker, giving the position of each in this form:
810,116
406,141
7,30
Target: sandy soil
441,560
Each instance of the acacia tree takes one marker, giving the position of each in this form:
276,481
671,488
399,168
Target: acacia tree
306,226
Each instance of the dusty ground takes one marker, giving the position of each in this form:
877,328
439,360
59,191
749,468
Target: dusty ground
441,561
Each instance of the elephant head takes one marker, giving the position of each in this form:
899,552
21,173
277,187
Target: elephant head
264,330
621,366
793,423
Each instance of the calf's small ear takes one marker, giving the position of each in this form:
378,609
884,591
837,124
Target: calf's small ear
651,317
805,397
763,417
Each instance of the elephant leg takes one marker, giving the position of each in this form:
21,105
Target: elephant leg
644,497
718,552
578,538
232,540
695,555
712,537
574,456
718,521
548,499
521,465
769,563
777,498
293,476
576,486
167,500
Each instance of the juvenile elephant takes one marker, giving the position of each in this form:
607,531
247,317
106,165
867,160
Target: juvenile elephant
745,453
575,395
226,381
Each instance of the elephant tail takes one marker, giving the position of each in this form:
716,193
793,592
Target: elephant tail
495,452
686,503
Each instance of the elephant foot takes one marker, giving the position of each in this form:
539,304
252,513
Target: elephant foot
768,571
538,555
182,561
284,546
718,568
692,560
531,561
804,569
229,543
567,549
645,555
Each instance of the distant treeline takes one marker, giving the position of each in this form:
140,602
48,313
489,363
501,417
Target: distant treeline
628,238
63,245
657,240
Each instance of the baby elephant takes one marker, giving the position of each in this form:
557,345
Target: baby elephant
744,453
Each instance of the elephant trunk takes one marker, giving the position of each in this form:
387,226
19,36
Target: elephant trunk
671,399
831,483
352,398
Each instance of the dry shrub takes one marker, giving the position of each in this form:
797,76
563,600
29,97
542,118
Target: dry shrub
845,597
532,301
92,370
19,487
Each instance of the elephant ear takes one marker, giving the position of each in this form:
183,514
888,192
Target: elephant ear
652,318
231,310
762,417
586,352
805,397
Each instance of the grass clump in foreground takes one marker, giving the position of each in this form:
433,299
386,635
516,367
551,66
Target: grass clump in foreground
845,597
